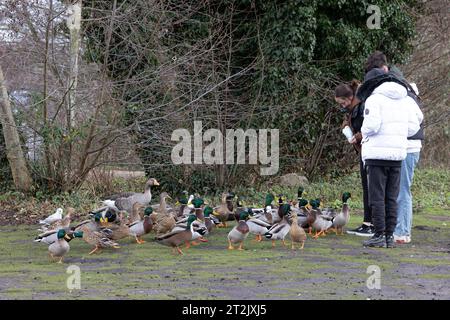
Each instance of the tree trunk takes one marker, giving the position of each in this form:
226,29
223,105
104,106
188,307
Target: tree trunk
16,159
74,25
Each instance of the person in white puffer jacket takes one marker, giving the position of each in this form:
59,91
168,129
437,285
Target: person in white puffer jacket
390,117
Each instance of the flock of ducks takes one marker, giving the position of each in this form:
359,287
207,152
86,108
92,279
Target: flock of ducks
191,221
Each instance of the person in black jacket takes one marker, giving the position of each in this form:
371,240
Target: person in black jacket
345,96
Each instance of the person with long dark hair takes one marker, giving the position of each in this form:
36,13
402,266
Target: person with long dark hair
345,96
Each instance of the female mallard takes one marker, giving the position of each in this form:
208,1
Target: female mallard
125,201
139,228
239,233
340,220
61,246
296,233
98,239
163,220
136,213
178,236
279,230
118,230
222,212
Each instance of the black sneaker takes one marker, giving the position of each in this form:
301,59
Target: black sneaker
378,241
363,231
390,241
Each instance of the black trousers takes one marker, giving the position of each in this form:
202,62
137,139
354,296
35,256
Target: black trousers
384,185
365,187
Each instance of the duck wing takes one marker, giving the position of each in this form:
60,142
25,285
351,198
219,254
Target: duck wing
120,195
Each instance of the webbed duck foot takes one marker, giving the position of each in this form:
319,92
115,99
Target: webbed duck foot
94,250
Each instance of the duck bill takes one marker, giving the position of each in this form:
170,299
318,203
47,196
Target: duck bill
203,239
156,183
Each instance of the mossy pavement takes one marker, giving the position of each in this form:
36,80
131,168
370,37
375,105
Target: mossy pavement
332,267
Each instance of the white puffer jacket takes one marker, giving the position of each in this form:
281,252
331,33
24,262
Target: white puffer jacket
390,116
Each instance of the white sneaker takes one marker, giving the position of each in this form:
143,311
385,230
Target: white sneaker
402,239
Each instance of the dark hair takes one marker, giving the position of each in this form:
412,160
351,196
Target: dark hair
345,90
375,60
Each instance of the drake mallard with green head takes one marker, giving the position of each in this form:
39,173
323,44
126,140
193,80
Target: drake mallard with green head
178,236
239,233
279,230
61,246
258,227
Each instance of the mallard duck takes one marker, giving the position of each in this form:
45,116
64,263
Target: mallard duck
230,206
119,229
340,220
107,214
239,233
300,199
51,236
185,205
198,208
178,236
163,221
302,213
266,214
53,218
60,247
258,227
162,206
200,219
319,222
136,213
279,230
98,239
125,201
210,220
222,212
139,228
93,224
296,233
240,207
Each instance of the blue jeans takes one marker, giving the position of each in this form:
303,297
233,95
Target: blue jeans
404,200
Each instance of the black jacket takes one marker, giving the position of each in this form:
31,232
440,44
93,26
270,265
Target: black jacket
366,89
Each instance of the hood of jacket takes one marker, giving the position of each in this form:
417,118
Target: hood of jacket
391,90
